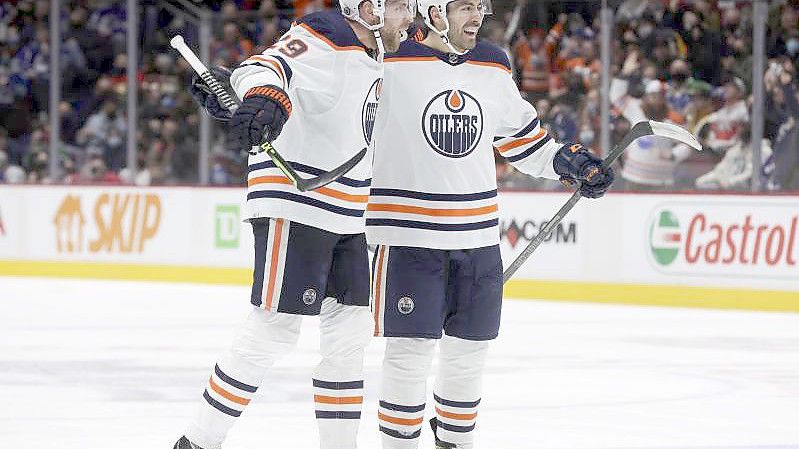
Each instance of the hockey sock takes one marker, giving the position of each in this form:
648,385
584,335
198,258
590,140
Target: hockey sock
264,338
338,379
404,387
458,388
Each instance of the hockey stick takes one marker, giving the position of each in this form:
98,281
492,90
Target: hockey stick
232,103
641,129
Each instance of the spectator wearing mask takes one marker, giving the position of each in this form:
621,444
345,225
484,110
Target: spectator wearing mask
677,95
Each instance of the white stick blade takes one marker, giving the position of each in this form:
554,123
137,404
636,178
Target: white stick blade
675,132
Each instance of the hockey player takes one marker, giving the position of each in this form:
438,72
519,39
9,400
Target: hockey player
313,94
432,213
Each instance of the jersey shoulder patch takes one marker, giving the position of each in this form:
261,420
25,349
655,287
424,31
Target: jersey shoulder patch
489,53
332,28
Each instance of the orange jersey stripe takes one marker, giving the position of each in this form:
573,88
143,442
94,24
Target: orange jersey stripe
460,416
277,66
323,190
273,265
490,64
432,212
229,396
329,42
334,400
400,421
378,277
517,143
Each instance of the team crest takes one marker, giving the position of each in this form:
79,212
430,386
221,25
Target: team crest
452,123
405,305
370,110
309,296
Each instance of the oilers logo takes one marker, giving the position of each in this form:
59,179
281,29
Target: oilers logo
452,123
369,110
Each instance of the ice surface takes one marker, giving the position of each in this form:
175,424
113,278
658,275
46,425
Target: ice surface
121,365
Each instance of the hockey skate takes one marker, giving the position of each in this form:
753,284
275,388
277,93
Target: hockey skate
184,443
440,444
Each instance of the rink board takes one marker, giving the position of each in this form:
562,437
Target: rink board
726,251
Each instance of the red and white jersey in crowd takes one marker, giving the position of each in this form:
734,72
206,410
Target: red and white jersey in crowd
439,118
333,85
726,125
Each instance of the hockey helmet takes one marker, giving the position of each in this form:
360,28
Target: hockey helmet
441,5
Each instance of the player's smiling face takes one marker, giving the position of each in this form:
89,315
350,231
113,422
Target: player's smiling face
397,20
465,18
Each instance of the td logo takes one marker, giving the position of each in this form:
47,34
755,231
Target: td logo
665,237
226,226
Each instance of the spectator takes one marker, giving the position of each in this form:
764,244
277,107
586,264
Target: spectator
724,125
649,162
734,172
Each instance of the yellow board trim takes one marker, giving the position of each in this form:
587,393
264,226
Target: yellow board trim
127,272
598,292
656,295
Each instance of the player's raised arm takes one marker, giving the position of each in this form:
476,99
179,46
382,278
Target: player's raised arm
523,141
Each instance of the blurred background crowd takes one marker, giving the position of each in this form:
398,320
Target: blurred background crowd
686,62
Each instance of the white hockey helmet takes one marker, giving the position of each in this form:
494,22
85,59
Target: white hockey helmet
441,5
350,10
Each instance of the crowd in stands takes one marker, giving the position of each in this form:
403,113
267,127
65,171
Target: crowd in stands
686,62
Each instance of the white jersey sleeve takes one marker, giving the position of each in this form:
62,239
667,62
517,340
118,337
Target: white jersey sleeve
520,138
301,60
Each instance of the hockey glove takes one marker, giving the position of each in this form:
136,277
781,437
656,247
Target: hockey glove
262,114
573,162
206,99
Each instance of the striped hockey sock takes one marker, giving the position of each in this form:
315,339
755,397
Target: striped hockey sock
338,412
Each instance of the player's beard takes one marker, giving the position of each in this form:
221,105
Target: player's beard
463,41
393,39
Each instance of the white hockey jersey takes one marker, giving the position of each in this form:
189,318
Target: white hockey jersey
439,118
333,85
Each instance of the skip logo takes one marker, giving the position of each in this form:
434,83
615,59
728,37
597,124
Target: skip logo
452,123
369,110
121,222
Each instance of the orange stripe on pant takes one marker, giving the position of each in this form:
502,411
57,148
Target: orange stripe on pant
378,285
400,421
229,396
460,416
338,400
274,261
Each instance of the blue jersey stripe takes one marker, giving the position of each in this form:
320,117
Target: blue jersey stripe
434,196
530,150
432,226
286,68
311,171
527,130
304,200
